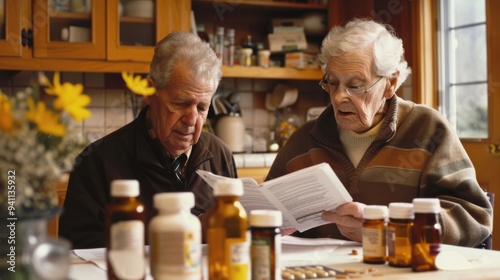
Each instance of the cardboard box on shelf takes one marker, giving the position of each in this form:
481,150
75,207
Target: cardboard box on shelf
288,26
282,42
301,60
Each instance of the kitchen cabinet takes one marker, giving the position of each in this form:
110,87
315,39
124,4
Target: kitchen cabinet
68,33
132,38
254,18
116,41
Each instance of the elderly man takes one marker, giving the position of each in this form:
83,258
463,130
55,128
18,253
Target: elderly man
384,149
185,72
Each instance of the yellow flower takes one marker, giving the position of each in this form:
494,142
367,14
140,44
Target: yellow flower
6,117
45,120
70,98
137,84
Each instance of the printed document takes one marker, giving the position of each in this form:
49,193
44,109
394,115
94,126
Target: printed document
301,196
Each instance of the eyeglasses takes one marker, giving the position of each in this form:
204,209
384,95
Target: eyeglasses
352,91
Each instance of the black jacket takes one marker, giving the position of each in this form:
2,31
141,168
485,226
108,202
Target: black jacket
128,154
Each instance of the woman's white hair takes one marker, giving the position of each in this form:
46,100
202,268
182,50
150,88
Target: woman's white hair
358,34
187,47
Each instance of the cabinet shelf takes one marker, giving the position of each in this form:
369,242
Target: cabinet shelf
70,16
137,20
256,72
269,4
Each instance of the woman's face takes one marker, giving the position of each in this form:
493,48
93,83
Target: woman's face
358,113
179,111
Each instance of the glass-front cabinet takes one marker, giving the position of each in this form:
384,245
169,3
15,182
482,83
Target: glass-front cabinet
10,28
135,26
69,29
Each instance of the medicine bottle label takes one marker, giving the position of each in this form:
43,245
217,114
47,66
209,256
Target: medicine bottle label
374,242
126,252
176,253
239,257
261,261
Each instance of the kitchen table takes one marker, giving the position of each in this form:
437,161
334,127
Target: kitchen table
467,263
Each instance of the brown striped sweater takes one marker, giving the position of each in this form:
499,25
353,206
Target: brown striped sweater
415,154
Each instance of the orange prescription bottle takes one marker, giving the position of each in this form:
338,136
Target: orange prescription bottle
398,234
374,234
425,234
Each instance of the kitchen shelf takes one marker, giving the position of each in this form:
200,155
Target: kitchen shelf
78,16
269,4
137,20
238,71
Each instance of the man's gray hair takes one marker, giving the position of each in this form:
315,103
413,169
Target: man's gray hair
358,34
184,46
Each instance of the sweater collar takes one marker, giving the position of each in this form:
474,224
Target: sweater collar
326,132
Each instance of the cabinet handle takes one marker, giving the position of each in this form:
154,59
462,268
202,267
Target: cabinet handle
27,38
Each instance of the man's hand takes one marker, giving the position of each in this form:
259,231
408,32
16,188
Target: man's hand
349,219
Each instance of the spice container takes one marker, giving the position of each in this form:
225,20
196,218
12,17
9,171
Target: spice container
425,234
175,238
246,57
228,238
398,234
125,232
263,58
266,244
374,234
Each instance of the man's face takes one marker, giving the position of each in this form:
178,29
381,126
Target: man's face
179,111
351,70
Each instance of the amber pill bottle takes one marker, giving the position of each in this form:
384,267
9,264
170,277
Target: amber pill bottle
228,236
265,250
398,234
125,232
425,234
374,234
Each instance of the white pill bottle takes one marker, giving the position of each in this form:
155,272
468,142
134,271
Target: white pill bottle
175,238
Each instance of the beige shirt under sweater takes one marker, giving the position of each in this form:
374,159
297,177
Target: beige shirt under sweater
356,144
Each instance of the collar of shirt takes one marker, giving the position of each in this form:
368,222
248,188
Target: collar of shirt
158,147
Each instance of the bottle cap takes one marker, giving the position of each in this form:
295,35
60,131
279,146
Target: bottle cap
230,32
264,52
219,30
228,187
173,200
375,212
266,218
400,210
246,51
125,188
426,205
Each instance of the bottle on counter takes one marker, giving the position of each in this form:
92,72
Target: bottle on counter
425,234
374,234
125,232
228,238
398,234
175,238
266,244
219,42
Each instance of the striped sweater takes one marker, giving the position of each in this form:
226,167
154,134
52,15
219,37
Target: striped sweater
415,154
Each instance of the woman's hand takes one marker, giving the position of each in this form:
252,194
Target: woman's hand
349,219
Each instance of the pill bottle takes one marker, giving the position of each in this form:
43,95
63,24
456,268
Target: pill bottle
231,47
228,237
266,244
374,234
425,234
398,234
263,58
246,57
175,238
125,232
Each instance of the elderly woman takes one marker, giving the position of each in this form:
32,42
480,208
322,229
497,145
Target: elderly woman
384,149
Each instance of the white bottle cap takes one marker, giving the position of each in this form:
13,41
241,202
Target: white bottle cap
400,210
125,188
173,200
426,205
266,218
228,187
375,212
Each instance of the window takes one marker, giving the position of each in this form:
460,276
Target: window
462,66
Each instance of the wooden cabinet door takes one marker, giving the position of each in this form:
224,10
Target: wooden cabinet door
62,32
132,35
11,44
